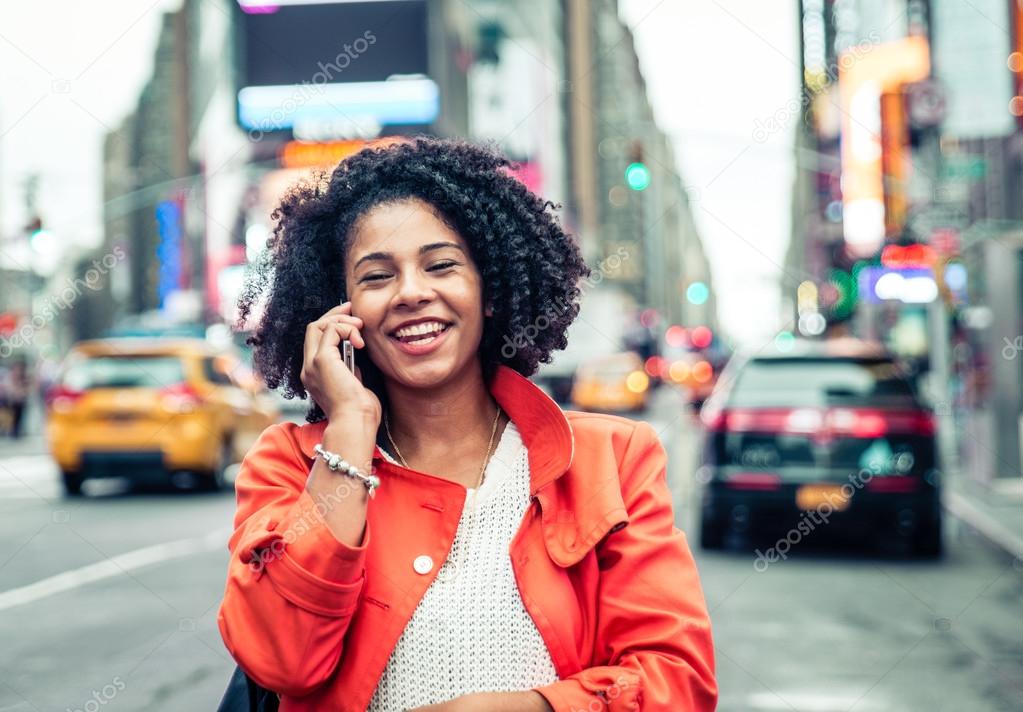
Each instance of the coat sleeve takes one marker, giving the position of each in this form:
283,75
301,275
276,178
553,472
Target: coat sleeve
292,587
653,627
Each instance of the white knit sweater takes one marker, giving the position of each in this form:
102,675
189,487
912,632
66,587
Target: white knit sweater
471,632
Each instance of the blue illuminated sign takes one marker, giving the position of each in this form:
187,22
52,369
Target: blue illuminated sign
168,251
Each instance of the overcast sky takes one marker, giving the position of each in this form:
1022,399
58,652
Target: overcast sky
63,84
713,68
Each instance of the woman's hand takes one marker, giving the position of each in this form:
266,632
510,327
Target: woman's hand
526,701
330,384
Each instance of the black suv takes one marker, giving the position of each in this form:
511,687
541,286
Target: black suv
821,436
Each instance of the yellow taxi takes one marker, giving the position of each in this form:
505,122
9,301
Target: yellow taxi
146,408
611,383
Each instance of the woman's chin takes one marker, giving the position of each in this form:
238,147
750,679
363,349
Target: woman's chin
427,374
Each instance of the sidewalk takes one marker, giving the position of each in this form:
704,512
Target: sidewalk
996,512
31,444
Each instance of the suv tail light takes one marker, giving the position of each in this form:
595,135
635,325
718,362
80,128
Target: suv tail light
895,484
754,481
874,423
822,423
766,420
180,398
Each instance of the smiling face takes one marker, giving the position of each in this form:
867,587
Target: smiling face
420,295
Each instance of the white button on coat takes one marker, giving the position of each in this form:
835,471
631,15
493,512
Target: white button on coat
423,564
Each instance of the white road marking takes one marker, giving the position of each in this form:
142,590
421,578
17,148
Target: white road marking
809,701
114,566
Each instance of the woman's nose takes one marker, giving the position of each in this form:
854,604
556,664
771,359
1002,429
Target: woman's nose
414,289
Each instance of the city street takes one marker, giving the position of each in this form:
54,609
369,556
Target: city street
809,281
113,598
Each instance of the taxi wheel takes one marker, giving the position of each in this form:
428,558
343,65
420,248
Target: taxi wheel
217,480
72,483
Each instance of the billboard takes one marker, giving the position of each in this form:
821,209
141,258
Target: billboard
971,46
864,78
334,69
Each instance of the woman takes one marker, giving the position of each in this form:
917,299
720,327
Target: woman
479,549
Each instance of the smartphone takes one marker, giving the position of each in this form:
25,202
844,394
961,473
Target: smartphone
348,354
347,350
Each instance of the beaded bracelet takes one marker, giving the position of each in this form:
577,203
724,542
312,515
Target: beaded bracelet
337,464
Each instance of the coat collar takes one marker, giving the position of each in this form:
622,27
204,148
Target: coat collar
543,426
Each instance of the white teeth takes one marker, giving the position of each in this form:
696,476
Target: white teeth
428,327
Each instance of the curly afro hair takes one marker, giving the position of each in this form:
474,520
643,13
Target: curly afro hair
530,268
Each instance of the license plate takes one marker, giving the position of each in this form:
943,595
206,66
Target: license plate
816,496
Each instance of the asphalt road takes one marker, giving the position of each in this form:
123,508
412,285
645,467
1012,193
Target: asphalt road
109,603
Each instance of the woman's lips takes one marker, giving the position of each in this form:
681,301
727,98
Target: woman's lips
421,346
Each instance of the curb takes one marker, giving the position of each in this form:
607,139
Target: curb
961,508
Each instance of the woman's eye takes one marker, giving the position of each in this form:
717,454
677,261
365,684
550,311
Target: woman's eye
375,277
442,265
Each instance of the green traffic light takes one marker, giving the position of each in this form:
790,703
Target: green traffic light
41,241
784,341
698,293
637,175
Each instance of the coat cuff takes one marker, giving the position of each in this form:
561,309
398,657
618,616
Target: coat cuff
614,688
315,570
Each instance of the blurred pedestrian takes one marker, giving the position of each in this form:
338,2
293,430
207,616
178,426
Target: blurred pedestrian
17,385
5,410
47,370
514,556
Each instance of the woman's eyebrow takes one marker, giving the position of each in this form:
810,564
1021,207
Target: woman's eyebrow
422,251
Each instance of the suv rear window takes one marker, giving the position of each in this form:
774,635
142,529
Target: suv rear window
809,382
125,372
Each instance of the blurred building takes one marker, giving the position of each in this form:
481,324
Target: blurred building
627,197
907,221
192,174
516,87
247,97
149,187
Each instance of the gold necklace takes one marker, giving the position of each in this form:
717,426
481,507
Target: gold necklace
454,567
486,456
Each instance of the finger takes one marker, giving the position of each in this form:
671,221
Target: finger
342,308
355,323
354,335
313,334
331,340
328,351
340,319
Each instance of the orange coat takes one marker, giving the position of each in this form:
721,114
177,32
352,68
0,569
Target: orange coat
603,572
